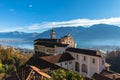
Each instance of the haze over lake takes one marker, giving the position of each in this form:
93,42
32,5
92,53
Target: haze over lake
91,44
19,43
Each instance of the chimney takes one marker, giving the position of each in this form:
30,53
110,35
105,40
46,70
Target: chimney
114,77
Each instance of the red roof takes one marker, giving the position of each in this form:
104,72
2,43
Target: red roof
58,58
97,76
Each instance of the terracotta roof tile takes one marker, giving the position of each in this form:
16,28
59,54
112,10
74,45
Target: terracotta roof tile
97,76
58,58
41,64
111,74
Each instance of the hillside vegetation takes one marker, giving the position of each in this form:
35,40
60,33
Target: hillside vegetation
61,74
113,58
11,60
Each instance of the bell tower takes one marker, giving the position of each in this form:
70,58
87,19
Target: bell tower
52,34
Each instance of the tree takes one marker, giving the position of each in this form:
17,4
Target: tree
61,74
10,60
113,58
1,67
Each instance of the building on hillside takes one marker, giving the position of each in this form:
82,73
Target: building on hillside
87,62
50,48
67,61
83,61
64,60
53,45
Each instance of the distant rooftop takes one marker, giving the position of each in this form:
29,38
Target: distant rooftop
51,44
111,74
84,51
47,40
97,76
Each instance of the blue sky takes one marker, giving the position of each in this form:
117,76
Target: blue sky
40,15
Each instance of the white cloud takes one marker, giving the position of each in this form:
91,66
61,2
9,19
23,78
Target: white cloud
12,29
75,23
84,22
11,10
40,27
34,27
30,5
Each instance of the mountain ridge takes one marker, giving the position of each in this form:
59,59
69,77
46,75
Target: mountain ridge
98,31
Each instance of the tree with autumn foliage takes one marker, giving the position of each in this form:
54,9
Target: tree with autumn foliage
11,60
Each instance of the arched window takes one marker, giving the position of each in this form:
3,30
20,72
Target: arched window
77,67
84,68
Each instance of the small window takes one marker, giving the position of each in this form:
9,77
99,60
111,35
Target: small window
93,60
61,64
48,50
77,67
65,63
77,56
70,62
84,58
103,62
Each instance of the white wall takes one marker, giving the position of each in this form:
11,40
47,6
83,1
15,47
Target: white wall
39,48
67,64
102,64
51,50
60,50
92,68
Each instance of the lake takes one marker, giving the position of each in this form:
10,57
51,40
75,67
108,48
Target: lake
89,44
99,44
19,43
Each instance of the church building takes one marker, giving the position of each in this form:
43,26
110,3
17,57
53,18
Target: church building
65,54
52,45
